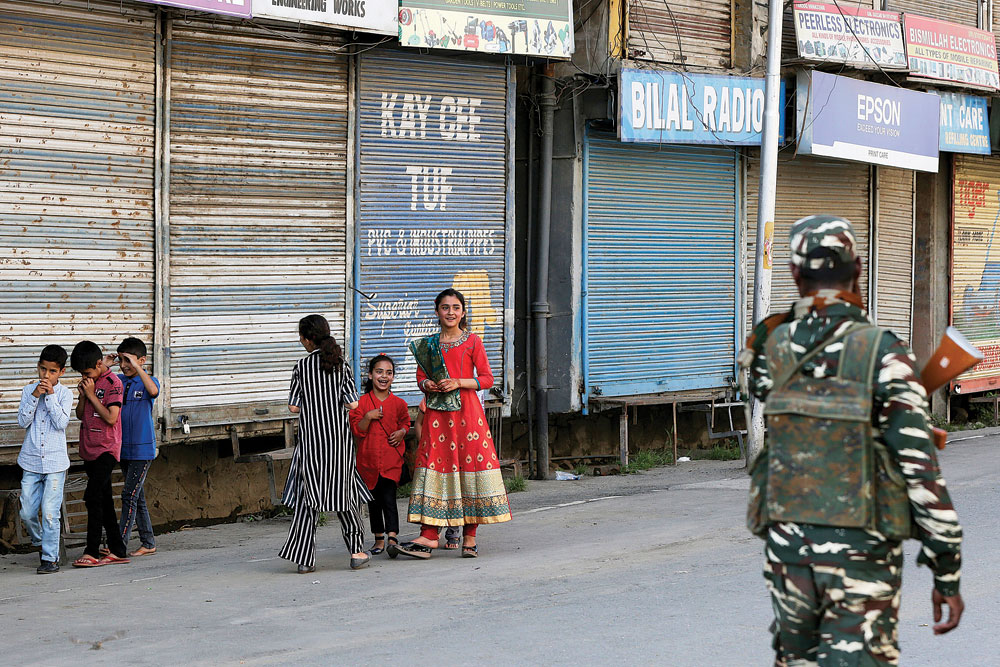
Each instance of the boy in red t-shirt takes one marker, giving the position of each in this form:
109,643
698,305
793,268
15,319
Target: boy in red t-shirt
98,410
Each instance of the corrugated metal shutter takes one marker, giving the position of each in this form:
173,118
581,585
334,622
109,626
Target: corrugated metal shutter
975,269
660,296
965,12
894,249
806,186
695,33
432,202
76,181
258,201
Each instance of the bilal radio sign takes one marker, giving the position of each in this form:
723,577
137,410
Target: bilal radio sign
669,107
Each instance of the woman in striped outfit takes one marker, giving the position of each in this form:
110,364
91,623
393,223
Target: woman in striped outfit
323,476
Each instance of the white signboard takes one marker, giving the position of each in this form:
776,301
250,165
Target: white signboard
377,16
845,34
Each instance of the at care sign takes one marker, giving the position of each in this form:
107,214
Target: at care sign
965,126
668,107
858,120
375,16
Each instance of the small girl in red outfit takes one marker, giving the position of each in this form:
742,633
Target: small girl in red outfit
380,421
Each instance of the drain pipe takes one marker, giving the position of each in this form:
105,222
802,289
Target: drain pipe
540,310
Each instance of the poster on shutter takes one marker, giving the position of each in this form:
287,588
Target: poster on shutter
851,35
951,52
375,16
976,269
965,126
229,7
528,27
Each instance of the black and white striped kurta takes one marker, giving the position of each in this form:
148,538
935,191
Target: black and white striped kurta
323,473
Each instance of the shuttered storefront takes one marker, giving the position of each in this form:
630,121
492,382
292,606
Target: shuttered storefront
257,209
660,269
806,186
77,94
893,254
689,34
434,160
975,269
965,12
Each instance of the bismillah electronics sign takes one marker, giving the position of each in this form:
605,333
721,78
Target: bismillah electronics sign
951,52
528,27
375,16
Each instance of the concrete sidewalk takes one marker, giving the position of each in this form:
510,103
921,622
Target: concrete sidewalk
655,568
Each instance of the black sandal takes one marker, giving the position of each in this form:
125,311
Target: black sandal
392,542
375,551
470,552
411,550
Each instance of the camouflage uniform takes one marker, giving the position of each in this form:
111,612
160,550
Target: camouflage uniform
836,591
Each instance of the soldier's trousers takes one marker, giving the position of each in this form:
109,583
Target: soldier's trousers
836,616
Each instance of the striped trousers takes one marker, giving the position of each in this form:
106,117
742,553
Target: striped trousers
300,547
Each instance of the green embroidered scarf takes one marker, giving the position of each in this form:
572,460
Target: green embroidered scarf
427,352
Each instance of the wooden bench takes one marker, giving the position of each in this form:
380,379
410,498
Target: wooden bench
995,400
268,457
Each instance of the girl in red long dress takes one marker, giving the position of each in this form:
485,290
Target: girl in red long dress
456,477
380,422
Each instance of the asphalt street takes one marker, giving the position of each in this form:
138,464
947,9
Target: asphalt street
655,568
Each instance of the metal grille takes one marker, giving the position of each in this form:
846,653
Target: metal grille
694,33
258,202
432,202
806,186
965,12
894,249
660,296
77,114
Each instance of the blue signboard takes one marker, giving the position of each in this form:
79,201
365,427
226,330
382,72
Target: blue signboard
858,120
673,108
965,125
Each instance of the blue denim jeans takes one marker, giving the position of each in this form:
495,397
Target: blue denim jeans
43,492
134,511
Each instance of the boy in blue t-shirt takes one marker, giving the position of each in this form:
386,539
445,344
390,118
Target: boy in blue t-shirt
138,441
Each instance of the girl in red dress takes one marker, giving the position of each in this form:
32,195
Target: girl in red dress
380,422
456,477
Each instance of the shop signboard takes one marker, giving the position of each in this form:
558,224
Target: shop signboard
374,16
658,106
851,119
965,126
951,52
229,7
529,27
851,35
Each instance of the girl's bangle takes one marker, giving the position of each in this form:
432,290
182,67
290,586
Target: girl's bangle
479,386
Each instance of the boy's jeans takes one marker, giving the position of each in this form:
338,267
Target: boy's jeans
134,502
40,491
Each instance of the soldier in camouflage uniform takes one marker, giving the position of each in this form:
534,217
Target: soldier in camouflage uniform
836,590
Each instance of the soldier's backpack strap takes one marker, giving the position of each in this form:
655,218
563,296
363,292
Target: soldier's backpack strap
781,360
860,354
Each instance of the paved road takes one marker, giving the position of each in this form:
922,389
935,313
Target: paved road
647,569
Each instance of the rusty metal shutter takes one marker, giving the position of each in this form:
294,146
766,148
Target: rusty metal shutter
77,93
258,202
965,12
806,186
893,250
975,268
434,207
696,33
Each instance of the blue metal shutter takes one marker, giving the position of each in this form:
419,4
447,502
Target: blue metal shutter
258,202
77,93
660,297
433,202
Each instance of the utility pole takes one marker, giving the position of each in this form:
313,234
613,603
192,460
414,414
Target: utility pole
765,205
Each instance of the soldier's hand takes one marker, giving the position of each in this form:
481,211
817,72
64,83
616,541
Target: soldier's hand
955,609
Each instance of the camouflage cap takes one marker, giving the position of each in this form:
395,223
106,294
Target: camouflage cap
814,234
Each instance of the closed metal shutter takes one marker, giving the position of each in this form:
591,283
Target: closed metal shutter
975,269
258,202
965,12
695,33
660,297
77,93
433,202
806,186
894,250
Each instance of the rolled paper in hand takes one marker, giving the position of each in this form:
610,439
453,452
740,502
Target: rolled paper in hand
954,356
